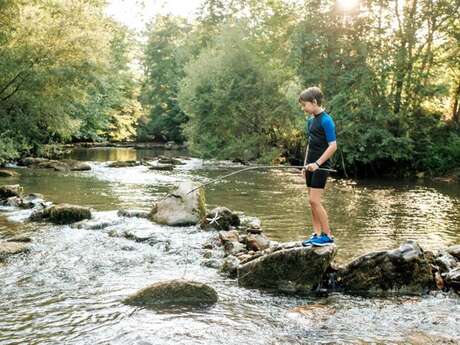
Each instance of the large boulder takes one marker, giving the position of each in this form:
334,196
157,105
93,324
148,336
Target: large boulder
296,269
174,292
220,218
62,214
182,207
11,248
9,191
405,270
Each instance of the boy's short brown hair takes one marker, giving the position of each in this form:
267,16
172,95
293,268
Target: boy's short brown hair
311,94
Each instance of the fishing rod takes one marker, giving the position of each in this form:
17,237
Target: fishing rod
254,168
219,178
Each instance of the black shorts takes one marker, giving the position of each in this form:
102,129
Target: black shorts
317,179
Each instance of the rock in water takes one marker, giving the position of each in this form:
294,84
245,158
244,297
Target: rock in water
180,207
123,164
454,251
452,279
405,270
220,218
10,190
62,214
174,292
298,269
8,173
11,248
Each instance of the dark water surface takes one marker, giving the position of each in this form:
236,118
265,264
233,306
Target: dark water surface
68,289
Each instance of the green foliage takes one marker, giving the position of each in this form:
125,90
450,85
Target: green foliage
233,99
164,59
63,72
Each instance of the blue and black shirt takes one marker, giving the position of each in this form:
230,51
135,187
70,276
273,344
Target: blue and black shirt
320,131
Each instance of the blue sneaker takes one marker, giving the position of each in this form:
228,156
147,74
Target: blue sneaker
308,242
323,240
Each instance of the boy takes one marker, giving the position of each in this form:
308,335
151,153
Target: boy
321,147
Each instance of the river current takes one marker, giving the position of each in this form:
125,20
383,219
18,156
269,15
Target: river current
69,288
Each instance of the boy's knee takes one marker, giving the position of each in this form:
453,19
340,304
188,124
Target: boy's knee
315,203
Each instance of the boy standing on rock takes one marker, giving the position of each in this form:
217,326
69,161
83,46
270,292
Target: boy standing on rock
320,129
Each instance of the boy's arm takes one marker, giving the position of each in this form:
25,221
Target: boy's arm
328,153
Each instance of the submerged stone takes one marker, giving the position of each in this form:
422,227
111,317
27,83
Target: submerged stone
11,248
297,269
182,207
404,270
174,293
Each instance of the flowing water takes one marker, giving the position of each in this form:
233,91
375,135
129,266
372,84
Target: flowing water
68,289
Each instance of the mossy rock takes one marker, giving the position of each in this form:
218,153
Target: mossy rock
174,293
68,214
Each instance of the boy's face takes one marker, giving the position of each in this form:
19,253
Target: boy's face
309,107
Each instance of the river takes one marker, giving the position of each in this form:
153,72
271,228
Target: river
68,289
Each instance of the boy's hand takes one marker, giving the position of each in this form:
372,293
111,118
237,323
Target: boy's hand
312,167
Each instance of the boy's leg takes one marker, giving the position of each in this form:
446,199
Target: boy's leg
314,216
318,209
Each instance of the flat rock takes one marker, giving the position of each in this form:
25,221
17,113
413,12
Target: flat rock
170,161
123,164
11,248
181,207
298,269
174,292
8,173
404,270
